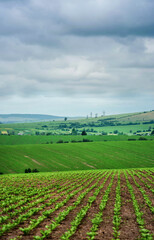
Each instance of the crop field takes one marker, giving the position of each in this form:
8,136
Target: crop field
93,204
27,139
76,156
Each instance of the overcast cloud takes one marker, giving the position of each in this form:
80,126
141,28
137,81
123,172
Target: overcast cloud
71,58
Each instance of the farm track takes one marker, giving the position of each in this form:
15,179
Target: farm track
68,205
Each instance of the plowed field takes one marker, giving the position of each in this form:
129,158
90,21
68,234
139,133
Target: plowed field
92,204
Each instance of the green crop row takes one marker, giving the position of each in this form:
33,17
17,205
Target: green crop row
145,234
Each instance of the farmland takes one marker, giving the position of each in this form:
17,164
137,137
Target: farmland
92,204
27,139
98,186
132,123
76,156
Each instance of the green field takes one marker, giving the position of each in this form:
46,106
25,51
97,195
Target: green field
27,139
77,156
123,123
84,190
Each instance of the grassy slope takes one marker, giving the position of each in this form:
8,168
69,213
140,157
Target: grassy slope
77,156
122,118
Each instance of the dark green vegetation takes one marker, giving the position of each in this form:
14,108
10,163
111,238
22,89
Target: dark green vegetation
77,156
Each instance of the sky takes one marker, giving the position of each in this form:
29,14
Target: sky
71,58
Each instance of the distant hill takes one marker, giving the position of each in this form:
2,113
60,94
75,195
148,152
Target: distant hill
146,116
22,118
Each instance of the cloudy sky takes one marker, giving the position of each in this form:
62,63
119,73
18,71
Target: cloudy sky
70,58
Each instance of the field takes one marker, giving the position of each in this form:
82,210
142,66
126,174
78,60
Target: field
27,139
93,204
101,189
123,123
76,156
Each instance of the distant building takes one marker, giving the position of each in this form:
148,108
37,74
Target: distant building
4,133
20,133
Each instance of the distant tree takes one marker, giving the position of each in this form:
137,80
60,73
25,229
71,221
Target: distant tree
152,133
115,131
65,119
74,132
60,141
84,132
35,170
142,138
87,140
29,170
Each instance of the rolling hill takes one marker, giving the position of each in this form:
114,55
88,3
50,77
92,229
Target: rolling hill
22,118
76,156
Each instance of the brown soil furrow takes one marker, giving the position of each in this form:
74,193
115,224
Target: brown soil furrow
17,232
128,228
145,180
147,216
148,176
86,223
147,191
105,230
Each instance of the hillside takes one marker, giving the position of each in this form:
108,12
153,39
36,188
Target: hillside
22,118
76,156
131,123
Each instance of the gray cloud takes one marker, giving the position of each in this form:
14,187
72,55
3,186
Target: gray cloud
95,50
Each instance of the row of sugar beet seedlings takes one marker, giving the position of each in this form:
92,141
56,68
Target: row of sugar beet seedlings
32,201
33,210
45,201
